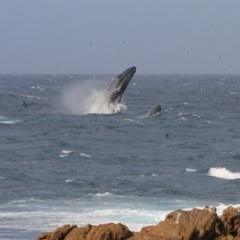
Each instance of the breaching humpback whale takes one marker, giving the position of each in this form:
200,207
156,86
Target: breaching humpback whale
113,95
154,111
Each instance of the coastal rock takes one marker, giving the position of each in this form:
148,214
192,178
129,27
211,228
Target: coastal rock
108,231
196,224
231,221
58,234
185,225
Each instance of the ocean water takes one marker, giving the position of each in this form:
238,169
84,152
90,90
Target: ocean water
62,163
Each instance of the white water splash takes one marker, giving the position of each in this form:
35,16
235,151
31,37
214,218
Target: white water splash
86,98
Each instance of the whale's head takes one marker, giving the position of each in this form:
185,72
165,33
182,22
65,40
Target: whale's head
119,85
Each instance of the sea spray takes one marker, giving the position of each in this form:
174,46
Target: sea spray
87,98
81,98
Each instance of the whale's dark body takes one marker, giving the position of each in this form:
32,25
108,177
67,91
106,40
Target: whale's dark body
115,91
154,111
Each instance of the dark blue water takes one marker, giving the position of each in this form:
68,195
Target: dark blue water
62,163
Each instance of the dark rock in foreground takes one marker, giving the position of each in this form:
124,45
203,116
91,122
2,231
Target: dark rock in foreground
197,224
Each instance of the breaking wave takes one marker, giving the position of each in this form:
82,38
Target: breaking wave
223,173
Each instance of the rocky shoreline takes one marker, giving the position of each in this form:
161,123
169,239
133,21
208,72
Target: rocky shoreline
196,224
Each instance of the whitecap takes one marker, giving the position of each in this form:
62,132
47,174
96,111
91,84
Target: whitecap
104,194
65,153
28,96
132,120
154,175
182,114
233,93
2,178
41,88
223,173
85,155
186,84
69,180
6,120
190,170
140,122
195,115
207,122
10,122
129,119
182,118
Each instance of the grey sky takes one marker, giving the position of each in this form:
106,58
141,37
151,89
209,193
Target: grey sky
107,36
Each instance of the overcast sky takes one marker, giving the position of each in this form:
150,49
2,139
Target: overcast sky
108,36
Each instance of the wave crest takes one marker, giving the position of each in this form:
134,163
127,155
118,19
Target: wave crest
223,173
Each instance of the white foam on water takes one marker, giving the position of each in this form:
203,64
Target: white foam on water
129,119
207,122
45,215
233,93
191,170
104,194
183,119
223,173
182,114
41,88
85,155
5,120
195,115
28,96
65,153
69,180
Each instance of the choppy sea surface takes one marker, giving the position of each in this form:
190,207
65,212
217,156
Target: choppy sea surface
61,163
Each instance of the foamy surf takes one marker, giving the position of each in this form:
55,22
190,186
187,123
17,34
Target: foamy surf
51,214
